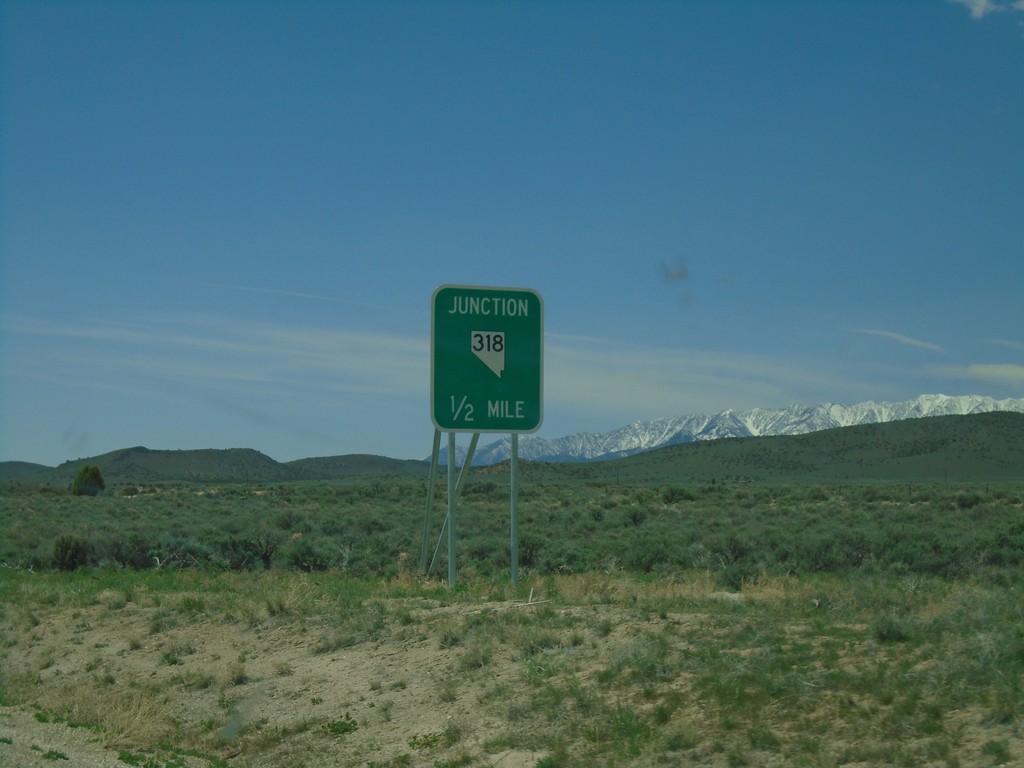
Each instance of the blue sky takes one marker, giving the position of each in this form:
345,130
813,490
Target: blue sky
222,223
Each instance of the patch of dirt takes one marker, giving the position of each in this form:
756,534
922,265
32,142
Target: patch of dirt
257,694
25,742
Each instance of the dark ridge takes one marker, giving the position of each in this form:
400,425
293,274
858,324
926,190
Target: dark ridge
977,448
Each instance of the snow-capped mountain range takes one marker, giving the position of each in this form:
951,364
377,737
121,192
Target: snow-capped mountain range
794,420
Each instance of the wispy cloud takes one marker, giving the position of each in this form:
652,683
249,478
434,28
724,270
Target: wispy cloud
981,8
900,338
646,382
222,350
277,291
297,295
155,334
568,337
993,373
1009,344
287,377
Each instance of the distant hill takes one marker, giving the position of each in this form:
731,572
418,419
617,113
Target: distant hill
984,447
356,465
141,465
22,470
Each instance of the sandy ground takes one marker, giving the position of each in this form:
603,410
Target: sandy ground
44,745
187,680
252,695
37,745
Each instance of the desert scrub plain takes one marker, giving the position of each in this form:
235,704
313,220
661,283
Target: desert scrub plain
704,625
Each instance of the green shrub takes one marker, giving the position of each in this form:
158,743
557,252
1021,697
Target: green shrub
998,751
305,555
647,553
530,548
968,500
131,551
88,482
70,553
241,553
340,727
675,495
892,629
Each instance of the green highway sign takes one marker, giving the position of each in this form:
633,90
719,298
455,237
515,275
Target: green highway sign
487,353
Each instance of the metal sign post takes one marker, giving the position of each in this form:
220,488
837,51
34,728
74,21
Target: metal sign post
513,470
486,375
452,498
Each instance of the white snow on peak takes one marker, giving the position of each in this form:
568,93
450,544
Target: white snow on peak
794,420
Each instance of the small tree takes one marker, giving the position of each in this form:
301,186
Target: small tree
88,482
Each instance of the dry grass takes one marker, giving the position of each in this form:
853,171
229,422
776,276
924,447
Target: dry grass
600,669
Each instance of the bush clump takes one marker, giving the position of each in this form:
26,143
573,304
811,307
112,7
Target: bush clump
88,482
70,553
